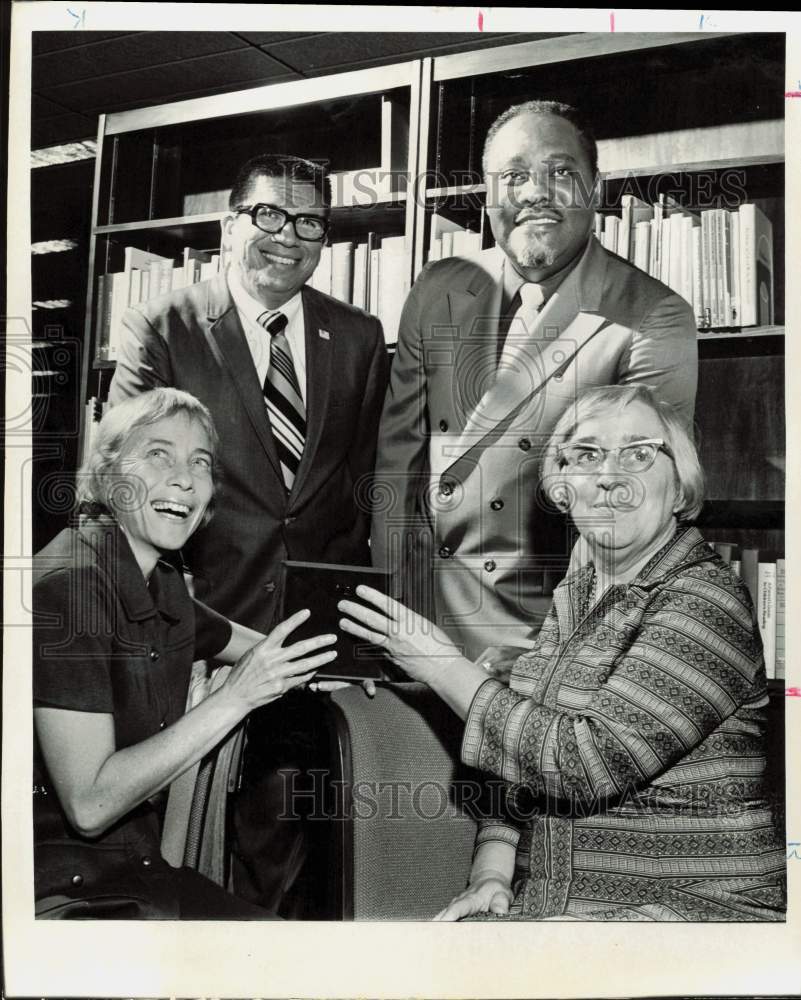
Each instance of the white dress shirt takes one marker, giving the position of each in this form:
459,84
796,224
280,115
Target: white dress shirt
258,339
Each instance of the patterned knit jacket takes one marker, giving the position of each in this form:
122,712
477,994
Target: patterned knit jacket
631,749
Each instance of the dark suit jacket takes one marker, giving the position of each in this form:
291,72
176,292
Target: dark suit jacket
448,421
192,339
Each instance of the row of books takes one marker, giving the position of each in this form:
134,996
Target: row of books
448,239
144,276
720,260
764,577
374,275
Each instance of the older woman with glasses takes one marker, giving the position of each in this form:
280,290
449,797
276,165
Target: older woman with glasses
115,634
630,741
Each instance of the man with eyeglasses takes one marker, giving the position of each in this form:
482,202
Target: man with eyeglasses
294,380
492,349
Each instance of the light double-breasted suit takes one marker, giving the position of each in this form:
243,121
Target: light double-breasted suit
461,516
192,339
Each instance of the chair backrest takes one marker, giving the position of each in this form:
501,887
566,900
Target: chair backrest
405,842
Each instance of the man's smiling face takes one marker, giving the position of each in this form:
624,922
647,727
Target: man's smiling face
273,266
539,193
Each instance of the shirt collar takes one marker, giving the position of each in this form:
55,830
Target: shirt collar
139,601
513,280
252,309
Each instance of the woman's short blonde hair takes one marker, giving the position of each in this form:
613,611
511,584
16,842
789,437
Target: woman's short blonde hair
98,473
593,403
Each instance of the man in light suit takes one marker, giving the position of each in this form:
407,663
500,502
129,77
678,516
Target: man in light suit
491,351
291,479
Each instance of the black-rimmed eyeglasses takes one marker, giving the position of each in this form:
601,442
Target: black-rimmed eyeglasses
636,457
270,219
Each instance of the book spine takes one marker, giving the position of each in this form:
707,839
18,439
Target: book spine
342,271
135,287
165,279
447,244
642,245
698,281
664,253
119,303
624,240
749,571
748,305
780,613
725,271
764,268
360,276
101,329
766,614
706,265
375,278
734,266
676,237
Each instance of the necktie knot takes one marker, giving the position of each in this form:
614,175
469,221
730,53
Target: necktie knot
531,296
273,323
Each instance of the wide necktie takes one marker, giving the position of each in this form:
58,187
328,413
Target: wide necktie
283,397
522,323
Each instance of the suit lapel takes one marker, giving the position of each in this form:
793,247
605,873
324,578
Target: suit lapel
566,322
319,351
473,314
226,332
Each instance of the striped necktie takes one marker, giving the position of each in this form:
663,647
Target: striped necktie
284,401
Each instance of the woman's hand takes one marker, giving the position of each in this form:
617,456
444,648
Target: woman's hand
488,893
269,669
410,640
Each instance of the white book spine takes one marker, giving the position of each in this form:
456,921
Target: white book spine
766,614
780,618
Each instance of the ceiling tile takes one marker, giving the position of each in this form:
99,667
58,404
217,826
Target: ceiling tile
337,50
263,38
131,52
53,41
64,128
40,108
161,84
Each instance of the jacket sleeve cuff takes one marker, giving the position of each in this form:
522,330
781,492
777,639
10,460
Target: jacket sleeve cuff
475,721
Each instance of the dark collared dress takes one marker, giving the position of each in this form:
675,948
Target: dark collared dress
105,640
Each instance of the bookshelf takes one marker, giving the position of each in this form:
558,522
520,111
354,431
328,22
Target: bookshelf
711,129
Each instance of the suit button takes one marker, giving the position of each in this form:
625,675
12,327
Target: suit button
163,724
269,587
289,520
524,444
77,879
489,565
446,489
147,861
496,504
445,551
154,655
443,425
